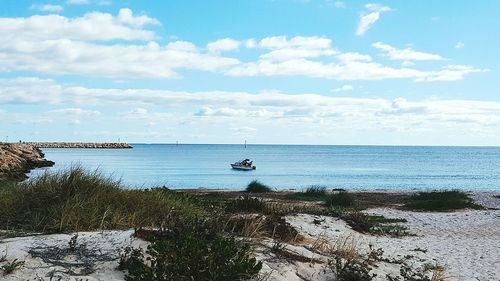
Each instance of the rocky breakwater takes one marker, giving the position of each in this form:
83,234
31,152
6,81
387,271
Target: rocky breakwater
110,145
18,159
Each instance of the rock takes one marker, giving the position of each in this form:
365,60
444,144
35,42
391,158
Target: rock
109,145
18,159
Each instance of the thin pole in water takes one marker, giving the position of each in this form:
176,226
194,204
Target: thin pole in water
245,143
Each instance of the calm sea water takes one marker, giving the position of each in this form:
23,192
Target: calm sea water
292,166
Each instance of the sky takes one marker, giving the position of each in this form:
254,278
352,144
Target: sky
415,72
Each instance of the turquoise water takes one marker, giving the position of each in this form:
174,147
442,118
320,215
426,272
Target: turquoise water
292,166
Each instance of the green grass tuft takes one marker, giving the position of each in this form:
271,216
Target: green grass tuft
78,200
340,199
257,187
246,204
312,193
192,251
440,201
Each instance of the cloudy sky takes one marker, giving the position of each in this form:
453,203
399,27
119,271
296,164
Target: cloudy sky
283,71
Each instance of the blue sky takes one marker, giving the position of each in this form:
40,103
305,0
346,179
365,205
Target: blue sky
294,72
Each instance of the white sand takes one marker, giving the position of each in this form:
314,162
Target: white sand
108,243
466,243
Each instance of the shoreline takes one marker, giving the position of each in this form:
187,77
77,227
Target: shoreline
433,242
295,235
17,160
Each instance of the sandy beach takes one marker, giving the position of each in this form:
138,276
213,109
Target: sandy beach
465,243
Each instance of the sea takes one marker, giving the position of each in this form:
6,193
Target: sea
289,166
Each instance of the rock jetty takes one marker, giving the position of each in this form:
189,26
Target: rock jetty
110,145
18,159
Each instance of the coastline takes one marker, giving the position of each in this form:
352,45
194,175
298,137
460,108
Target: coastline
18,159
423,239
463,243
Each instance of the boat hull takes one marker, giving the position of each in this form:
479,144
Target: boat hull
242,168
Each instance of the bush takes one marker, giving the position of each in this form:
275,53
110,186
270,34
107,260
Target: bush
275,227
193,252
374,224
312,193
340,199
246,204
348,264
78,200
257,187
440,201
351,270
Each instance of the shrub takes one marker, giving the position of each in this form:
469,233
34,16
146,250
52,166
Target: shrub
9,267
192,252
78,200
275,227
340,199
347,264
246,204
373,224
257,187
312,193
351,270
440,201
424,273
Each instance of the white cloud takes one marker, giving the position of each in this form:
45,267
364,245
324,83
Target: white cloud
250,43
407,54
451,73
126,16
72,57
223,45
348,57
138,111
48,8
346,70
366,20
288,54
297,47
77,2
344,88
459,45
274,113
75,111
57,45
281,42
91,26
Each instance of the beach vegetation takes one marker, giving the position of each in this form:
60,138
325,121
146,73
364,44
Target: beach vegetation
312,193
440,201
192,251
9,267
373,224
427,272
257,187
246,204
79,200
260,226
340,199
347,263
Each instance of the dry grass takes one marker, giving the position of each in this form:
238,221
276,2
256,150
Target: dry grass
249,226
79,200
439,274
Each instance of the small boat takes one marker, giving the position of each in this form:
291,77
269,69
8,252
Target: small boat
244,165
